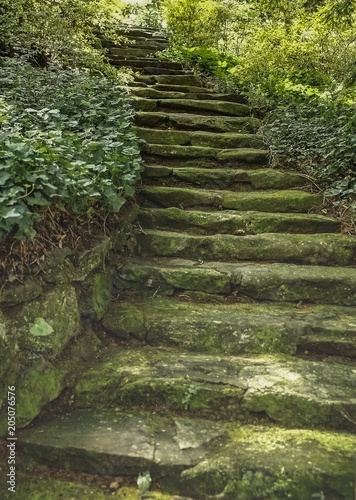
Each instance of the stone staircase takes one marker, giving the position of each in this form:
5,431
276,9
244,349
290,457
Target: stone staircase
234,376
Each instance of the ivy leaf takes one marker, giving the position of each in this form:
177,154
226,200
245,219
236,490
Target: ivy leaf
41,328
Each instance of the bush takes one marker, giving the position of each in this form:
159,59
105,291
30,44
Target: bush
66,138
60,31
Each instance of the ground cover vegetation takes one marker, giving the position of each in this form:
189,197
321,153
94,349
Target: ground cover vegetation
297,62
67,144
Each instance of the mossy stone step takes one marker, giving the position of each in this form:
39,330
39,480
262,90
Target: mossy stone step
143,62
195,458
139,32
262,201
195,106
230,222
148,69
210,107
272,282
151,93
206,139
133,51
237,328
205,157
187,121
291,392
181,88
169,80
241,180
320,249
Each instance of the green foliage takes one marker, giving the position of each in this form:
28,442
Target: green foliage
148,14
196,22
209,61
60,31
320,135
190,392
298,60
66,138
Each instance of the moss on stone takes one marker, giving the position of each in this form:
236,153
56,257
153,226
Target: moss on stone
325,249
213,107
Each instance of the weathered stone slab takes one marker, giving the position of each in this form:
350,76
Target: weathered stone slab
117,443
205,139
294,393
234,328
236,179
253,460
274,282
198,122
171,93
213,107
262,201
326,249
230,222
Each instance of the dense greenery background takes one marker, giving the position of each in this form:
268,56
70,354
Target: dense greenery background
66,136
297,62
66,128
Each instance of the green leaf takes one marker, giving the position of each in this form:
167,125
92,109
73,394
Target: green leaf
41,328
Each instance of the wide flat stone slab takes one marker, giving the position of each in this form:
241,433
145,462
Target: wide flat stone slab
292,392
239,328
171,93
187,121
112,442
169,80
262,201
273,282
204,156
232,222
320,249
196,106
204,139
233,179
221,461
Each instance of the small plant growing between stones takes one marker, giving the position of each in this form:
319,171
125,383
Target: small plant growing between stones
143,482
190,392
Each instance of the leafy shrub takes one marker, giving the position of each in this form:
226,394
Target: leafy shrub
66,138
148,14
317,132
60,31
209,62
196,22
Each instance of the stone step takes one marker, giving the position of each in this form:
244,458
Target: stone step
205,139
236,180
319,249
195,106
267,282
144,62
151,93
132,51
290,392
230,222
181,88
204,157
285,329
169,79
138,32
187,121
263,201
148,69
197,458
